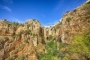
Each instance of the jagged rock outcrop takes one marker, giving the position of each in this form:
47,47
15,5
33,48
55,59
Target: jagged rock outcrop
72,23
27,41
6,28
19,41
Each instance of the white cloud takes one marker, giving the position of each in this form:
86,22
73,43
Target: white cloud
6,8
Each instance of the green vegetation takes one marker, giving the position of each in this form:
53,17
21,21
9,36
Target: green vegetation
34,34
13,56
52,52
62,45
17,35
8,58
43,40
50,37
21,46
21,32
28,25
34,20
81,45
14,51
1,40
28,31
14,36
87,6
17,24
51,45
4,39
14,24
27,40
21,57
68,19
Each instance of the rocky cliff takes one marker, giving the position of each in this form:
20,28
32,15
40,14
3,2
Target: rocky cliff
20,41
27,41
72,23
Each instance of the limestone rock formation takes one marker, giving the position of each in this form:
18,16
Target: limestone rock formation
27,41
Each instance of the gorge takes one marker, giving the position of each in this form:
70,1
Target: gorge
66,40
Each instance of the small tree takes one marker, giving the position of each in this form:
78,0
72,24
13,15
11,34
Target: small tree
68,19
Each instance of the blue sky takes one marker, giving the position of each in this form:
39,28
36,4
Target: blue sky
48,12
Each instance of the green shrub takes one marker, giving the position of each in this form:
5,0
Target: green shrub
68,19
14,36
34,34
28,31
17,24
8,58
6,38
87,38
50,46
87,6
46,57
81,45
43,40
61,45
13,56
61,55
51,51
50,37
21,57
1,40
26,41
34,20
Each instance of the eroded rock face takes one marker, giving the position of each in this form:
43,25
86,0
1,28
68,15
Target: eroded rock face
6,28
33,25
78,23
27,41
71,24
19,41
